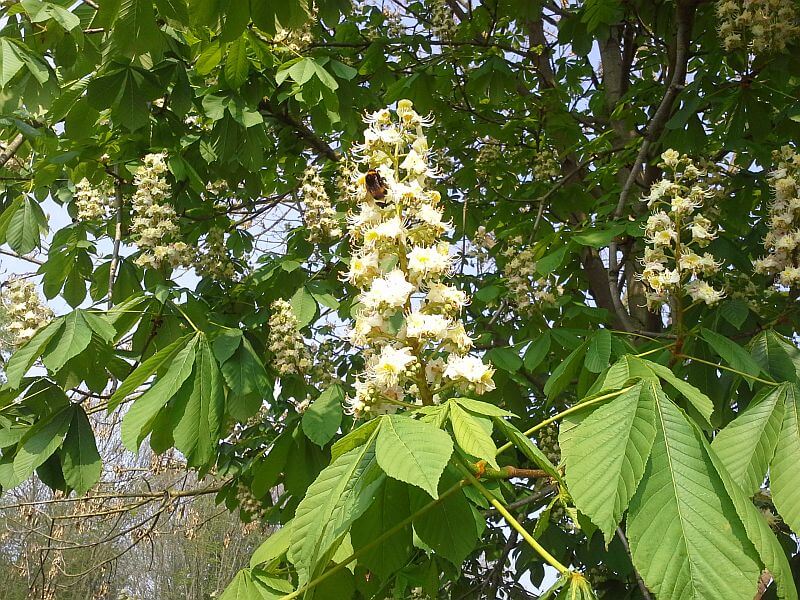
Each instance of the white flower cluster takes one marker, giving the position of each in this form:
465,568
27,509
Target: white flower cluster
761,26
407,320
489,154
546,165
295,40
319,215
24,310
285,341
215,260
92,202
674,230
783,240
155,223
527,289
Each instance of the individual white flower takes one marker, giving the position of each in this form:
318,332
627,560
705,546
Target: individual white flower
423,262
701,291
450,299
391,365
391,291
470,372
670,157
422,326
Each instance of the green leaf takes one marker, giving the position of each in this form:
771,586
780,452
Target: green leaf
136,31
599,351
321,420
471,435
355,438
528,448
207,61
273,547
758,531
245,375
482,408
145,370
198,428
601,12
100,325
449,527
746,446
41,441
11,60
548,264
606,453
74,339
536,352
302,71
685,537
732,353
26,226
771,353
23,359
237,65
784,474
413,451
506,359
391,506
80,459
140,416
339,495
564,373
304,307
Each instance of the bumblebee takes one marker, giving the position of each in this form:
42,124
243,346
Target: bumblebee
376,186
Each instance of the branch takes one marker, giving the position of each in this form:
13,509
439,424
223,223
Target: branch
311,138
11,150
639,580
112,269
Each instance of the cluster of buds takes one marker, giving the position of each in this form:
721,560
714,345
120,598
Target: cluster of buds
92,202
324,370
783,239
442,22
548,443
761,26
527,289
545,165
295,40
408,318
24,310
249,504
291,354
319,215
489,154
673,231
215,260
155,222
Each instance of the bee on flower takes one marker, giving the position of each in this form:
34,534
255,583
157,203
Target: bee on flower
407,318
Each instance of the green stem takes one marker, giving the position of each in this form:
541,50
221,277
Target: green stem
564,413
378,540
540,550
731,369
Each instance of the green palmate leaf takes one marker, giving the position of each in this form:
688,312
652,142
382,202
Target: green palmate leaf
74,338
273,547
772,353
413,451
237,65
144,371
41,441
11,60
25,227
733,354
136,31
100,325
784,472
339,495
606,453
473,434
536,352
321,420
685,536
528,448
746,446
449,528
565,372
390,508
304,306
23,359
355,438
599,351
245,375
758,531
197,430
245,586
80,460
139,419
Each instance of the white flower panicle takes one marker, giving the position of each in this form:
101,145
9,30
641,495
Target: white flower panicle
24,310
442,22
408,317
674,230
291,354
154,225
92,202
760,26
215,260
528,290
319,215
782,242
545,165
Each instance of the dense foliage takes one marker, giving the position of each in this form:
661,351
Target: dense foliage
467,298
